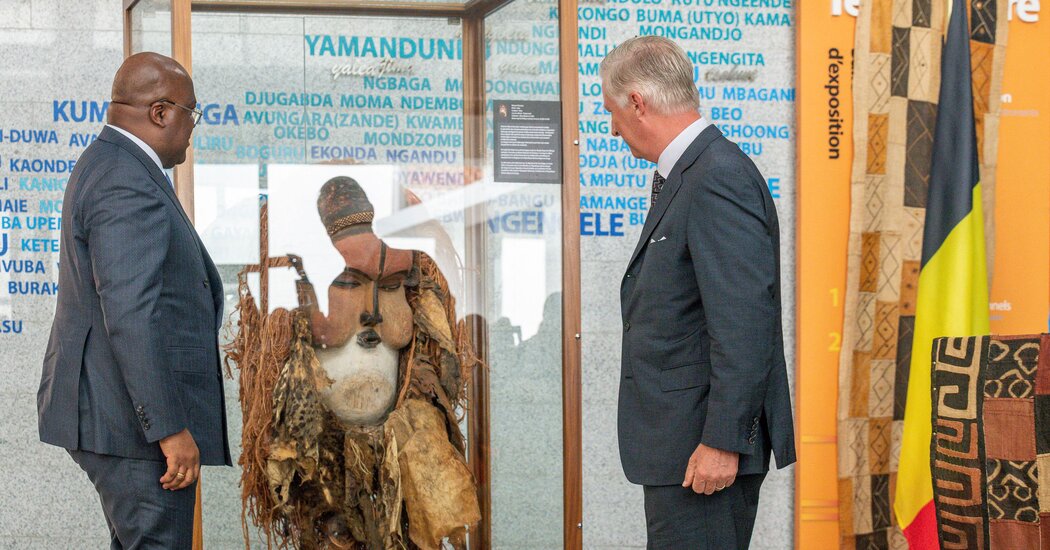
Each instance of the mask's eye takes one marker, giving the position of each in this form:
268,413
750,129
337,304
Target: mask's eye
391,284
346,279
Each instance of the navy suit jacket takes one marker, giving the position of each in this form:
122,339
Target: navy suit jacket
133,355
703,348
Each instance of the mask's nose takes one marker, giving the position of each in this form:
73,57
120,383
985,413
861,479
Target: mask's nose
371,319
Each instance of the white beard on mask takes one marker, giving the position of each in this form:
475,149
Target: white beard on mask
364,381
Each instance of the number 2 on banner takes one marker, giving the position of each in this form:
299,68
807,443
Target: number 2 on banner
836,342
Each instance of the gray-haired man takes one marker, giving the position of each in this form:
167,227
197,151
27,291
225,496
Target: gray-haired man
703,391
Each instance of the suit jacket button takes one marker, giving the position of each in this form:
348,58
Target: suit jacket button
627,326
205,284
629,275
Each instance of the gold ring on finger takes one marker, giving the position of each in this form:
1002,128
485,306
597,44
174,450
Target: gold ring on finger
180,475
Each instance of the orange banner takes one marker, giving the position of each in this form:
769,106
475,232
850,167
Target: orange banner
1020,291
825,154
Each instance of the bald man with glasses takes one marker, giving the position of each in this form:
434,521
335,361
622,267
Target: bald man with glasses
131,385
194,112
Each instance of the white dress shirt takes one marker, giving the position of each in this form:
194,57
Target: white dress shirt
146,148
678,145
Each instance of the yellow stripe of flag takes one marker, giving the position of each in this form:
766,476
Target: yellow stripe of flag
952,301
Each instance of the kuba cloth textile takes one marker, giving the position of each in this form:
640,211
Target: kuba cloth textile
896,87
990,453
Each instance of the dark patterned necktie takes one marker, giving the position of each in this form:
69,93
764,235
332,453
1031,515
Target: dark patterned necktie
658,184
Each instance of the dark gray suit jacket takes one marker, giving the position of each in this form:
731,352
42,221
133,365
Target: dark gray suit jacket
133,355
703,349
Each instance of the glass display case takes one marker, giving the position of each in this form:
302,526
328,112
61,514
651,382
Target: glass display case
451,127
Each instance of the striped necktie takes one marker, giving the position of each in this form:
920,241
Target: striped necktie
658,184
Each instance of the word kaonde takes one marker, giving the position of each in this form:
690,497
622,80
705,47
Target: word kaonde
39,165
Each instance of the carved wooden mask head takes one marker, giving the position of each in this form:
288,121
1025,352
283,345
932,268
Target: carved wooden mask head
370,292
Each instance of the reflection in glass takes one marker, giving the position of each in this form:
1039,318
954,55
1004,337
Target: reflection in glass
524,244
151,27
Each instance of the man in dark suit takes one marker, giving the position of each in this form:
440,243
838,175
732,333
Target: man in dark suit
703,391
131,384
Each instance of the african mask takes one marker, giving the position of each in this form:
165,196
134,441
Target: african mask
369,320
359,444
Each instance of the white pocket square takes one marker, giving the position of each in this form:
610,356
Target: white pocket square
664,238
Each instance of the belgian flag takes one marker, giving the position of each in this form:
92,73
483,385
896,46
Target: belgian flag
953,282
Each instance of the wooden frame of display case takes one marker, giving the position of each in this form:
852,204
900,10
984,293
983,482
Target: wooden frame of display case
472,14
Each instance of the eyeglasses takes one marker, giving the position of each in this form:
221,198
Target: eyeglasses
197,113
